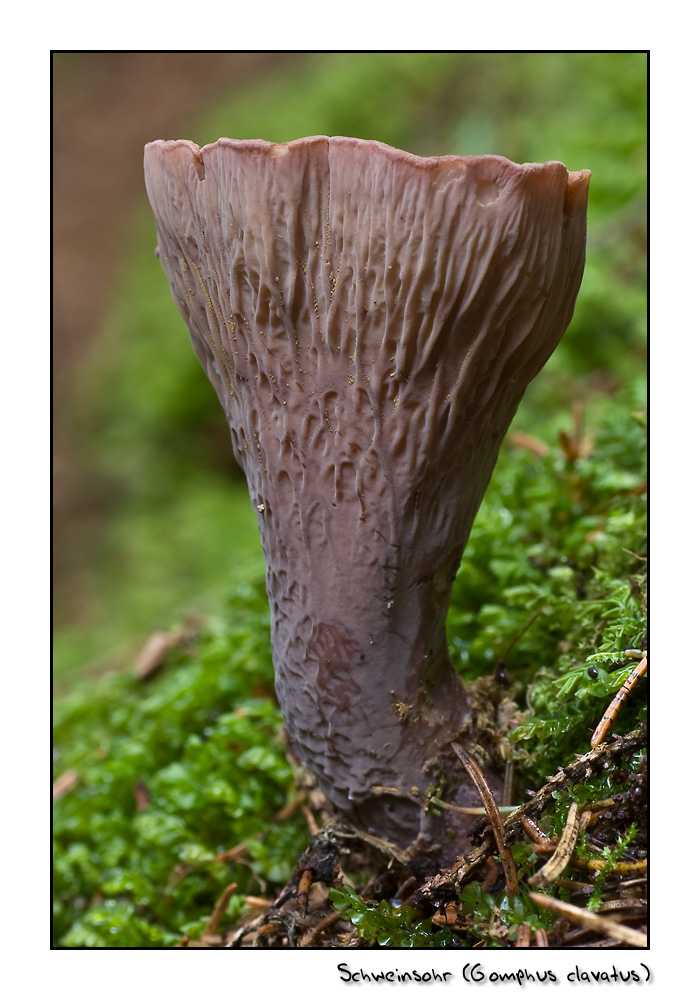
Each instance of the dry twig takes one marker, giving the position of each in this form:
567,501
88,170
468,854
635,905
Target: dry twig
618,701
219,909
287,811
321,926
621,868
305,880
65,783
523,937
604,926
562,854
477,776
236,853
152,656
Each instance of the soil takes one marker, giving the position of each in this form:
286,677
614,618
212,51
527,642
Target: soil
302,915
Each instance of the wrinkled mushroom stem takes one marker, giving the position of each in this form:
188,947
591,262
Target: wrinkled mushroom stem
359,580
370,320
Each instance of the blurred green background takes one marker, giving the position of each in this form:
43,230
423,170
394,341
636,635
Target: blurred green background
152,518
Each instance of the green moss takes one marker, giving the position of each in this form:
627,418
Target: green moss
389,926
554,580
207,755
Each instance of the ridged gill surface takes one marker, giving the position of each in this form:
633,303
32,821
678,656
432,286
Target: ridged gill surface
370,320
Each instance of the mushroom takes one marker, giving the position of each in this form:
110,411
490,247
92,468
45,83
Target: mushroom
370,320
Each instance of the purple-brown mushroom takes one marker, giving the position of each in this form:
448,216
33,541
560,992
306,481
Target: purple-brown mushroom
370,320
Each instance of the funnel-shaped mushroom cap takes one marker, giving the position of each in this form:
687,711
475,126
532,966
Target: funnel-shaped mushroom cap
370,320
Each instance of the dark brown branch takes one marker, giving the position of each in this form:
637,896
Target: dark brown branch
477,776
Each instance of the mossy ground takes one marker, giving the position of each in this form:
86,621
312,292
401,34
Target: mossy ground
179,785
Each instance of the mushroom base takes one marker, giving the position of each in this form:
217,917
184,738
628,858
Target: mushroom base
370,697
